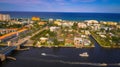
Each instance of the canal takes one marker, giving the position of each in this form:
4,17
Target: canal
64,57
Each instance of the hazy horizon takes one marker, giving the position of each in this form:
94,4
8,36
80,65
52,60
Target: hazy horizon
80,6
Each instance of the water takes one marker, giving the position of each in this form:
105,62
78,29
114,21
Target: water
1,48
64,57
68,16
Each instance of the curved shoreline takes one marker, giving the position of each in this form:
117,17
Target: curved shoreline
103,45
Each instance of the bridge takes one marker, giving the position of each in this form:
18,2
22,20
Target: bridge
15,45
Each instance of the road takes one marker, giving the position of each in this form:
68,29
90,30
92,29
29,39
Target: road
27,38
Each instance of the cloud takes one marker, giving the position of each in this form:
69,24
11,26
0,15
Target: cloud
20,1
83,0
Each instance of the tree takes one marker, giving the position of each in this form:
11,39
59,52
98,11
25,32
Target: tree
56,42
74,26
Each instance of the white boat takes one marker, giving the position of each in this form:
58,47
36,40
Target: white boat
103,64
39,46
44,54
85,54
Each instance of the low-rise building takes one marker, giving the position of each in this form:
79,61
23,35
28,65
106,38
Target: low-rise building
51,19
91,22
87,42
58,23
54,28
42,23
87,32
103,36
69,41
82,25
109,23
35,18
78,42
67,24
112,23
43,39
118,26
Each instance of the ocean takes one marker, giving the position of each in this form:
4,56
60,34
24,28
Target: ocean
65,57
67,15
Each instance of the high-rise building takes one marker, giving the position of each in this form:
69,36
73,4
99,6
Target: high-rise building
4,17
1,17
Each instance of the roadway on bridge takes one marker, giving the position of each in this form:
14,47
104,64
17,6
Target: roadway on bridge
18,43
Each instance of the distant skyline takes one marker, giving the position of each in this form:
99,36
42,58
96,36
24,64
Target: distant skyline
97,6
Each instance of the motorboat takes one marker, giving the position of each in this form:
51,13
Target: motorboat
85,54
103,64
44,54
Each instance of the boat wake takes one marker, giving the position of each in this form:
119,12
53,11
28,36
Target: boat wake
73,63
51,55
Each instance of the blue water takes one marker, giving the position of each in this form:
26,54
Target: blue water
68,16
65,57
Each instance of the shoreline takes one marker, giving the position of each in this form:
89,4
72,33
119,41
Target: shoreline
62,46
103,45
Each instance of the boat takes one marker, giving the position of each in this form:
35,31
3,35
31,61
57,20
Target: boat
8,57
103,64
85,54
44,54
39,46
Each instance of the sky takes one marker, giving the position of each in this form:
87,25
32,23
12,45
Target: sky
98,6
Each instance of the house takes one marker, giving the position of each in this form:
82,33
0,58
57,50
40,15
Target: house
87,32
107,28
69,42
96,26
54,28
82,25
78,42
112,23
60,39
103,36
83,36
111,34
43,39
50,42
42,23
109,23
101,33
91,22
58,23
51,19
118,26
67,24
87,42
